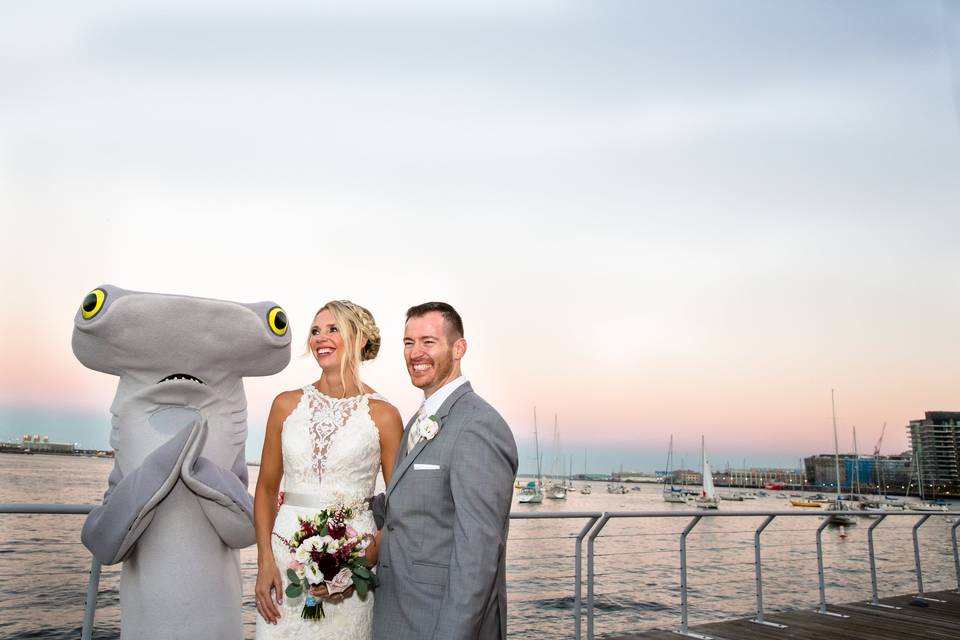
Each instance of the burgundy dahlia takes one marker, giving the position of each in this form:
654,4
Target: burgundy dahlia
328,565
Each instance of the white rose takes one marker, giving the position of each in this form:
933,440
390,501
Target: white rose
302,554
326,541
312,573
309,542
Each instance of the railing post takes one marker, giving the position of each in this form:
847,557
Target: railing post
916,554
590,540
90,606
916,558
684,628
956,556
875,601
822,609
759,575
578,571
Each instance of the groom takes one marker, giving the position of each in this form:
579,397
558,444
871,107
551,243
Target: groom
445,512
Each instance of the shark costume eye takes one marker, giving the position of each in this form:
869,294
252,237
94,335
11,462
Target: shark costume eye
93,303
277,319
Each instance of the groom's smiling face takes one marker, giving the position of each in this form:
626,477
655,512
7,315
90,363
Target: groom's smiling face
432,361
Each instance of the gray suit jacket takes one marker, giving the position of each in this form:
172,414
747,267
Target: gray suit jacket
443,551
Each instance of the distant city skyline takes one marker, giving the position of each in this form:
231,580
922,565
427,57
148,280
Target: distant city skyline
655,218
91,429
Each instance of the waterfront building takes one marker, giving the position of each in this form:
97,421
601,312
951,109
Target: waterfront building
935,443
683,477
38,444
889,474
758,477
634,476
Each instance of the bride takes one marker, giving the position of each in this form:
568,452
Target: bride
327,441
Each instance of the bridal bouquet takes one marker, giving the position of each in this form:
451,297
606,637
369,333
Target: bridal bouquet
325,551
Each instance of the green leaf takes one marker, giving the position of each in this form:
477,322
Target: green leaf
323,531
363,572
293,590
293,577
362,587
361,562
374,581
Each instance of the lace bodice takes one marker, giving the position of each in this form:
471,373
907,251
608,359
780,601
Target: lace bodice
331,447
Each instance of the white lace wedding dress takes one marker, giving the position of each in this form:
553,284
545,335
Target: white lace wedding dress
331,455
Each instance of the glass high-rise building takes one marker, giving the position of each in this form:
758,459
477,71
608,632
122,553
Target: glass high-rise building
935,444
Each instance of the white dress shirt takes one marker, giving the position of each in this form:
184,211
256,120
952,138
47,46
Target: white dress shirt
431,405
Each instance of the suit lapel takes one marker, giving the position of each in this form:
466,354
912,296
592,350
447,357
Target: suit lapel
402,453
404,461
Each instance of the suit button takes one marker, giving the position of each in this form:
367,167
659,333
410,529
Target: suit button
389,527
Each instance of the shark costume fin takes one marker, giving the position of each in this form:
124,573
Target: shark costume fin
222,495
112,529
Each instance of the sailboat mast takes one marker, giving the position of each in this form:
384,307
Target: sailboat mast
703,467
669,456
556,467
916,460
836,442
856,460
536,439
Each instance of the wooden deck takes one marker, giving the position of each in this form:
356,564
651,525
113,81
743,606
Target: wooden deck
938,620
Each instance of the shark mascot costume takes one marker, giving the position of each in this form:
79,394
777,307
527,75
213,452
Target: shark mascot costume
177,506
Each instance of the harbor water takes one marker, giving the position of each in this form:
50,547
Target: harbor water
44,568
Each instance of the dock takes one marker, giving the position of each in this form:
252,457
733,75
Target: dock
938,620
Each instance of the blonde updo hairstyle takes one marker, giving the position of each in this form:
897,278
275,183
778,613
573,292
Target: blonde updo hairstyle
361,336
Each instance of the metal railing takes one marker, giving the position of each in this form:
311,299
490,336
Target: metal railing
93,583
595,523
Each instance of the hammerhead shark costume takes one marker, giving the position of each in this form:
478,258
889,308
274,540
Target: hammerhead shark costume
177,505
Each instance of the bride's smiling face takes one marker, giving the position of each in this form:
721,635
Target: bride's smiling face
326,341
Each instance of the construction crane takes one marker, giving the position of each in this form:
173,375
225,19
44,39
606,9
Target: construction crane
878,469
876,449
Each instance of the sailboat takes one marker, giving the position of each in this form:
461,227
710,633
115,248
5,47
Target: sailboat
533,492
798,499
585,489
837,504
672,493
708,496
881,502
922,505
557,489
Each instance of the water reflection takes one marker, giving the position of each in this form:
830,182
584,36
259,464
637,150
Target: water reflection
44,568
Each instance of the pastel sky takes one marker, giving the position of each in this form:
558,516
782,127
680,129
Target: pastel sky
655,217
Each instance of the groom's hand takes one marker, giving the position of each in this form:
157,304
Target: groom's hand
320,591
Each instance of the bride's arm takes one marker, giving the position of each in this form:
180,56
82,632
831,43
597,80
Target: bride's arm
265,508
390,426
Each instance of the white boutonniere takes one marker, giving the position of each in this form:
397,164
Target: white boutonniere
428,428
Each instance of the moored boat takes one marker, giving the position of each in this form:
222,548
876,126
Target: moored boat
708,495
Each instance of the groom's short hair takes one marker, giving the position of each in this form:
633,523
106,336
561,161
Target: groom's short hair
452,319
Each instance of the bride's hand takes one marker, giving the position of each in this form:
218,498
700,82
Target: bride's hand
268,579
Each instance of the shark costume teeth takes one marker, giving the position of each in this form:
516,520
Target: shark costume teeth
177,507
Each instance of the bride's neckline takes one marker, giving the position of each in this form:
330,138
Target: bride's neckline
335,399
